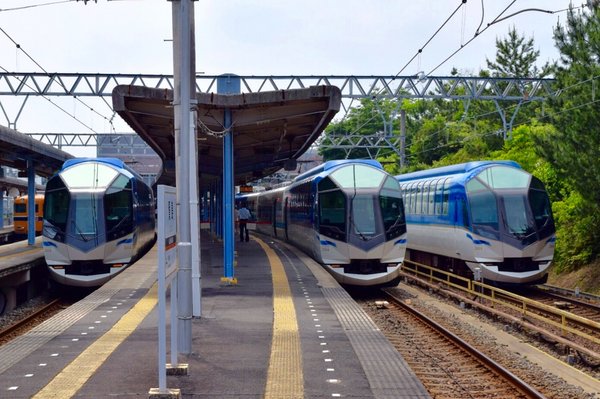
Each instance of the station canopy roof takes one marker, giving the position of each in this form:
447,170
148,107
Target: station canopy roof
16,148
268,127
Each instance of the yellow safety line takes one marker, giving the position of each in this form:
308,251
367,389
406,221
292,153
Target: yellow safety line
74,376
284,377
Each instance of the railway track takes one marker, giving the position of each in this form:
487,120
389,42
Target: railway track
31,320
552,324
579,306
448,366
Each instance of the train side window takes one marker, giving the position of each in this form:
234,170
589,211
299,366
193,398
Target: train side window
20,208
424,198
431,198
446,196
408,203
484,209
118,208
439,189
407,198
332,214
414,200
56,204
419,209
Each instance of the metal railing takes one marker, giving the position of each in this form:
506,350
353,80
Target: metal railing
497,296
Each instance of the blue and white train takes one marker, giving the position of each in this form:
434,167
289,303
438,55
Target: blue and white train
487,217
347,215
99,216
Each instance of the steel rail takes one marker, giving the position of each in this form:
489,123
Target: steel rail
19,324
488,362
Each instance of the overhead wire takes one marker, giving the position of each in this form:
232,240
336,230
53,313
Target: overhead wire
36,5
496,20
19,47
53,103
477,33
420,50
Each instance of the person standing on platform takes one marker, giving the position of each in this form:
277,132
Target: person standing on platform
243,217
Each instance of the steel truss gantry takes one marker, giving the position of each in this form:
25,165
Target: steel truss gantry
354,88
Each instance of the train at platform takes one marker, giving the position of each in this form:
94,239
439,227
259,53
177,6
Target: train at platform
488,220
99,217
21,214
348,215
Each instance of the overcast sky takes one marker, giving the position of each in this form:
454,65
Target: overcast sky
254,37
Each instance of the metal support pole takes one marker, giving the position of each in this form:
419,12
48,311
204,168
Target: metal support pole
183,72
213,213
219,205
195,220
30,203
228,207
228,84
402,138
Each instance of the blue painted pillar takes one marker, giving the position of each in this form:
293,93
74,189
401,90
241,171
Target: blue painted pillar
30,203
228,84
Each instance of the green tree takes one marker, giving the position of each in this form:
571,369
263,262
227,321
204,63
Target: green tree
516,57
572,146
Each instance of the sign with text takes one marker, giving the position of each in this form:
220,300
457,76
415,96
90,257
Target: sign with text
167,226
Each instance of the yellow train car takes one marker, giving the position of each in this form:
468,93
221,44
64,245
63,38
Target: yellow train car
21,213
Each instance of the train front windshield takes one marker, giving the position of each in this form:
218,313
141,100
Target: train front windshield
509,202
361,201
87,199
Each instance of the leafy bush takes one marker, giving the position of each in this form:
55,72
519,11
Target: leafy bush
578,232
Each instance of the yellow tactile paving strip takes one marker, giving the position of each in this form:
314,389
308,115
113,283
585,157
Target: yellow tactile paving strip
71,378
284,377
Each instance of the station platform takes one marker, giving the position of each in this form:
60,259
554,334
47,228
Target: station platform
285,330
20,254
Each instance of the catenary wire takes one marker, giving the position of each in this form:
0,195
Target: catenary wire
60,82
36,5
53,103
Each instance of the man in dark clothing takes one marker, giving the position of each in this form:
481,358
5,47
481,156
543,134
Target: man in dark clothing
243,217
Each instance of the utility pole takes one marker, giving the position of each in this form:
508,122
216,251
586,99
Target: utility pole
184,86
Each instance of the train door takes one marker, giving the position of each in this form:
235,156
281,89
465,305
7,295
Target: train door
285,218
274,217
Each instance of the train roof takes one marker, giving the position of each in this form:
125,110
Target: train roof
334,164
116,162
453,170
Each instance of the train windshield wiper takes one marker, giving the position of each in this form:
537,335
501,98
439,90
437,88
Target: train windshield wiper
81,233
393,226
356,230
120,222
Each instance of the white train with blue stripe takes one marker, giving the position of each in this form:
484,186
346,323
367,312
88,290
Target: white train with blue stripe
99,216
347,215
487,217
